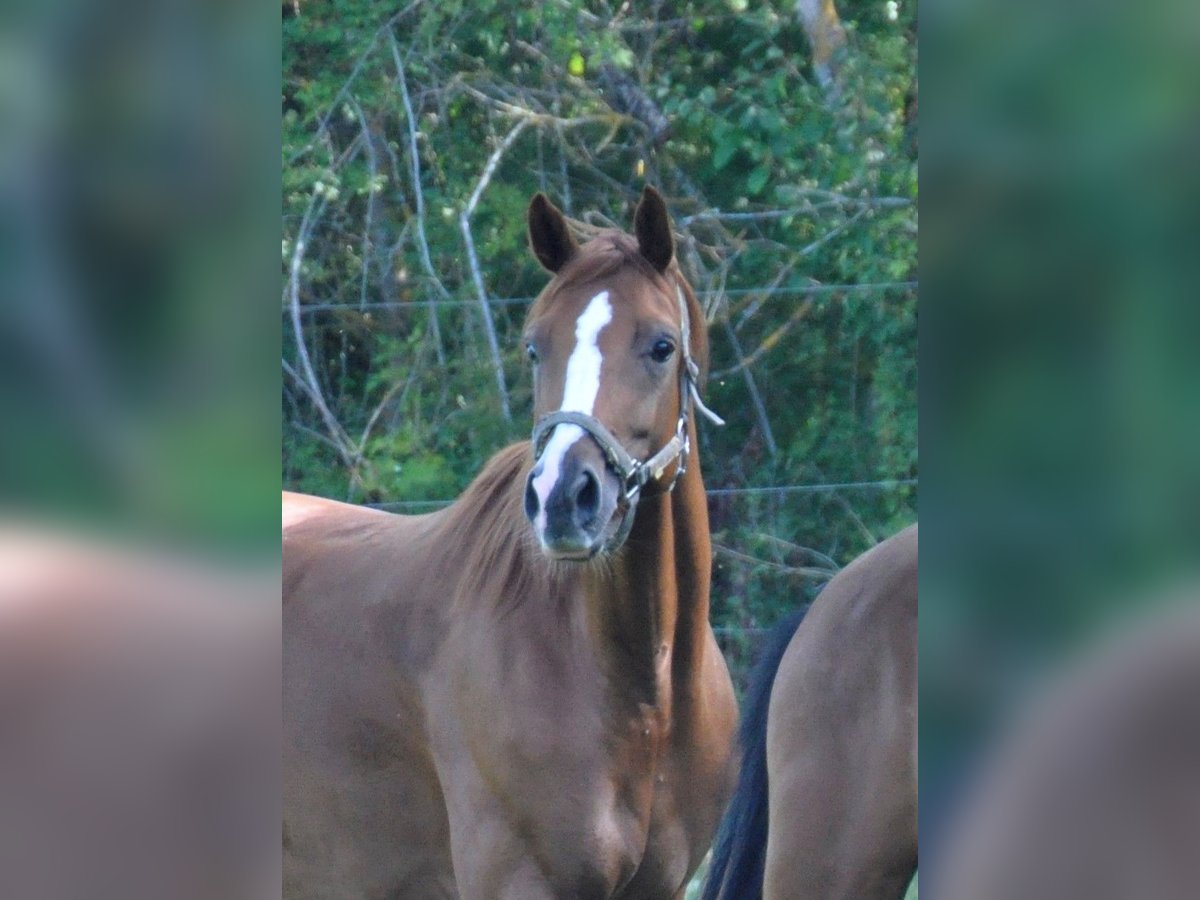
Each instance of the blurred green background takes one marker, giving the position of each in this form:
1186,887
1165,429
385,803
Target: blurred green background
1059,416
139,183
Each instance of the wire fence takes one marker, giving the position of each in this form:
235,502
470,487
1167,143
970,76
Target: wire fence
881,484
868,287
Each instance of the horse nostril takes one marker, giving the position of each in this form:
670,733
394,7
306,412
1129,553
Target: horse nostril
531,499
587,495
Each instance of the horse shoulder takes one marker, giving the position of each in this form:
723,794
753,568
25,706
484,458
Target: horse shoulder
859,637
358,778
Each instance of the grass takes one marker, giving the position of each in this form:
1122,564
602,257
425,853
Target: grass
697,882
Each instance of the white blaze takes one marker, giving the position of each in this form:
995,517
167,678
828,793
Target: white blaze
579,395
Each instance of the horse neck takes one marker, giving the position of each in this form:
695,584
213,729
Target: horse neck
648,607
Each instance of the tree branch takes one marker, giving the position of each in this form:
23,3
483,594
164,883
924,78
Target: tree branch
307,378
760,409
323,122
532,117
815,572
419,199
464,222
769,342
373,169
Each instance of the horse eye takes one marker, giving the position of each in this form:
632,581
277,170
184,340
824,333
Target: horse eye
662,350
531,353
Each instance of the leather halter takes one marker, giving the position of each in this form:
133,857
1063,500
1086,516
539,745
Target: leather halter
635,474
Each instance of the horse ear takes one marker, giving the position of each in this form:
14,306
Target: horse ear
551,239
652,226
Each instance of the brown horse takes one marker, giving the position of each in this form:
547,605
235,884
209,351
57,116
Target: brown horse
826,803
520,696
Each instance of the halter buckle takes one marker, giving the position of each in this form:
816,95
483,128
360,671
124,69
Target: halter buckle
635,479
681,468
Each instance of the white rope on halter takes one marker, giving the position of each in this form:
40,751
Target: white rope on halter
693,370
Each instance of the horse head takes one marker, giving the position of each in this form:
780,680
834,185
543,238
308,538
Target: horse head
616,341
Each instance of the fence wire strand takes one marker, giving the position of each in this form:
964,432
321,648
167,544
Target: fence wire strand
879,286
881,484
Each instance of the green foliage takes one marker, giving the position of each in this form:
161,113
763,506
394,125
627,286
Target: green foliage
779,190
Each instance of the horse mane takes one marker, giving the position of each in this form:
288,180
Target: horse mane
489,520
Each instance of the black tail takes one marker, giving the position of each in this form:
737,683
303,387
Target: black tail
739,852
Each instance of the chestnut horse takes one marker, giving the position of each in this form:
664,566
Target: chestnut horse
520,696
826,803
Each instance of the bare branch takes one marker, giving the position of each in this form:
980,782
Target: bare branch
314,434
416,367
835,202
323,122
814,572
626,96
838,498
833,232
419,198
307,390
760,409
532,117
755,301
769,342
464,222
373,168
565,197
388,395
307,378
789,547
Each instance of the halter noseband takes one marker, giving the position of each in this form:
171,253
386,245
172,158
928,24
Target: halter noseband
635,474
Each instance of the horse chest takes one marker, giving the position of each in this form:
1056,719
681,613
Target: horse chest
578,777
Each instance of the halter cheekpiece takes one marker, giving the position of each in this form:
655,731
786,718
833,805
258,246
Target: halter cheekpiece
635,474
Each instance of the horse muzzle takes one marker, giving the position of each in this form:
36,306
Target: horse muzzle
571,497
